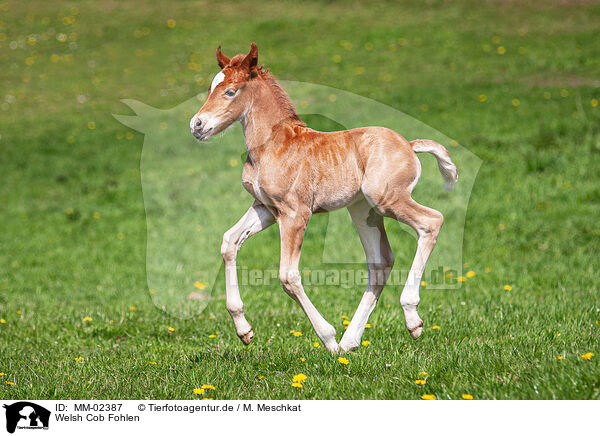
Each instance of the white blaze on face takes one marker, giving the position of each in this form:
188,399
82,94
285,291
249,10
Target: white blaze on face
218,79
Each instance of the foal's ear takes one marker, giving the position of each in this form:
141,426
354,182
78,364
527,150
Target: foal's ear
221,58
251,59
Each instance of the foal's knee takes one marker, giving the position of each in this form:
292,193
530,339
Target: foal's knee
291,281
228,249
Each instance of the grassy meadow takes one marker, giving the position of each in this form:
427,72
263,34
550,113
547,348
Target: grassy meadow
516,84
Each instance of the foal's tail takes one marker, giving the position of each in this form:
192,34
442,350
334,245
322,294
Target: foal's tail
445,164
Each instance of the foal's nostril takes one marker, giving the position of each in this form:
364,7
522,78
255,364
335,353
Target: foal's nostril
198,123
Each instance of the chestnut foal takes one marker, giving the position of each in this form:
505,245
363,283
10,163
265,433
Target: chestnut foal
293,171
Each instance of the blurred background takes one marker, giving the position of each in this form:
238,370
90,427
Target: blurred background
515,83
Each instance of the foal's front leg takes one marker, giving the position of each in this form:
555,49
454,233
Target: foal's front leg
292,234
257,218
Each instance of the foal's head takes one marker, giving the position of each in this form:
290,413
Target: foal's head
228,95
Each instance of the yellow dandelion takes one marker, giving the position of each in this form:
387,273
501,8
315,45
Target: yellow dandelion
344,317
9,383
587,356
482,97
501,50
428,397
343,360
260,377
208,387
133,308
507,287
337,58
462,279
207,399
2,373
471,274
346,322
594,102
423,283
297,334
91,125
436,327
152,291
423,373
200,285
365,343
171,23
171,329
316,344
367,326
559,358
150,362
515,102
547,95
212,336
297,385
303,359
87,319
198,391
420,382
488,269
233,163
96,215
79,359
299,378
163,126
564,93
467,397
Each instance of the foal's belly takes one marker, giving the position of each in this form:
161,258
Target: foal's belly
330,191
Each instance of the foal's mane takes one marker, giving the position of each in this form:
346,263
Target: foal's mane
280,94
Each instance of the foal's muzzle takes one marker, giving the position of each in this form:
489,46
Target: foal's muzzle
199,128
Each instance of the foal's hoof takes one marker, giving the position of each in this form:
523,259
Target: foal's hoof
247,338
415,332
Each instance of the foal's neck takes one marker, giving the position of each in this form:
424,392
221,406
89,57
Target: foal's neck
265,114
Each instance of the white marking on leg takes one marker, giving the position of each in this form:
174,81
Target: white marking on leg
428,229
379,262
257,218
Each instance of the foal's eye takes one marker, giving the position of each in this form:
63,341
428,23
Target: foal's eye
230,92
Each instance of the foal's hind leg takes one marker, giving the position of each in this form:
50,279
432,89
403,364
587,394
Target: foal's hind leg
380,261
427,223
257,218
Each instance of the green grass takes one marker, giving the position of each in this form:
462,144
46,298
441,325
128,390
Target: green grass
531,216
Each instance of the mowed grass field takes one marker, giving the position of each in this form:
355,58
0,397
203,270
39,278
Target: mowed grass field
517,84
